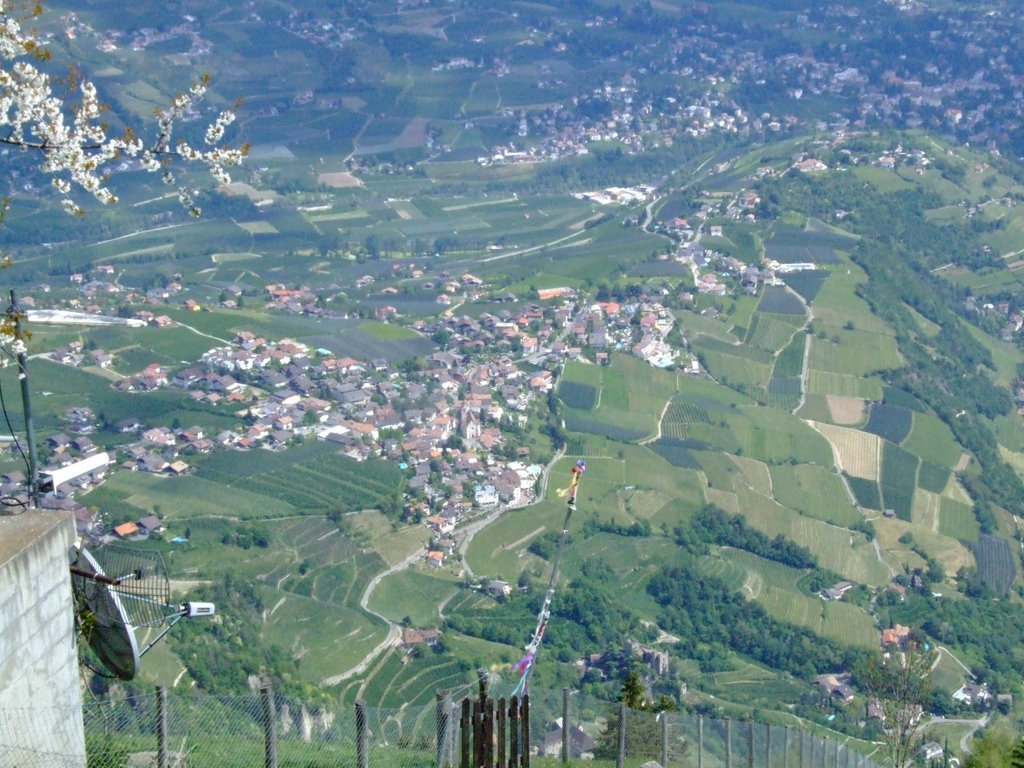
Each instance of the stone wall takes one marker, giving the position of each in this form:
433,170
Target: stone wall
40,692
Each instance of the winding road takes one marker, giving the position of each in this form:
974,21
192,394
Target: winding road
394,631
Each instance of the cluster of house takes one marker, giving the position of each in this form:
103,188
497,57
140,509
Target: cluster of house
445,422
610,325
837,688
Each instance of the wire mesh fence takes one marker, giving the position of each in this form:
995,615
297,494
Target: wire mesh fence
171,729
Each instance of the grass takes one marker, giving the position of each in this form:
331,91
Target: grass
413,593
180,499
775,587
848,554
815,491
933,441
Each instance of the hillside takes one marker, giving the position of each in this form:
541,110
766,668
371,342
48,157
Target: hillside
774,304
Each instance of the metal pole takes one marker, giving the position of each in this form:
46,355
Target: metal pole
664,738
362,744
14,315
269,725
728,743
620,758
785,751
453,731
565,726
700,742
750,744
161,727
800,754
767,746
441,726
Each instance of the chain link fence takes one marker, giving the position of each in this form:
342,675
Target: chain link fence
164,729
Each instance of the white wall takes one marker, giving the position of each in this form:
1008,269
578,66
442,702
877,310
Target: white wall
40,693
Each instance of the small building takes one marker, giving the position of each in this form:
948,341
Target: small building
499,588
126,530
581,745
837,590
930,750
411,637
150,524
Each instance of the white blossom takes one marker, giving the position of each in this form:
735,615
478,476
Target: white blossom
72,139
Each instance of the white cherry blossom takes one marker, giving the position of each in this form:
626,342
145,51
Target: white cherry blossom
75,146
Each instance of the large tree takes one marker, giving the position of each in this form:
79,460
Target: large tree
900,683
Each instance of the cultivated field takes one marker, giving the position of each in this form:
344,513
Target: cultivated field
857,453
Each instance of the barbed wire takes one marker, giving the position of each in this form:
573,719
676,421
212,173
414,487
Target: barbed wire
203,730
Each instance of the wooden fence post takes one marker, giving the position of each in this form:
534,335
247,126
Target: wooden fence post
488,733
524,753
502,723
514,734
478,738
269,725
465,732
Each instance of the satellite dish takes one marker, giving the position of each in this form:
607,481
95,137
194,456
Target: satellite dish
118,590
102,619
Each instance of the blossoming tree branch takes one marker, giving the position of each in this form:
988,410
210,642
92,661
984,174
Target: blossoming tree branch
75,145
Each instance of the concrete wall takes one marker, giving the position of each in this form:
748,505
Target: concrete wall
40,692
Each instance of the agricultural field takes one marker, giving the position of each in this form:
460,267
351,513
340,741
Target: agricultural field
682,413
313,478
853,352
898,479
843,385
857,453
866,492
404,681
413,594
815,491
771,333
773,436
756,474
957,520
790,361
933,441
890,422
849,554
630,398
777,300
180,499
774,586
997,564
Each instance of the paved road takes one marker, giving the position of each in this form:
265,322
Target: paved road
394,631
965,741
